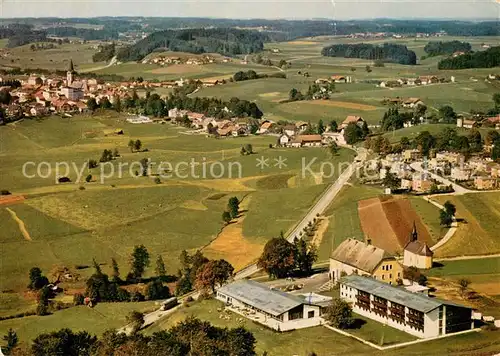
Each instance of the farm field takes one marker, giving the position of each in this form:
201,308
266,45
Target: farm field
469,92
343,218
53,59
95,320
389,220
323,341
478,234
70,224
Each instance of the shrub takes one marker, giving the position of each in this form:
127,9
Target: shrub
4,192
78,299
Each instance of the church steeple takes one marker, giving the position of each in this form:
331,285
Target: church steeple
414,233
69,74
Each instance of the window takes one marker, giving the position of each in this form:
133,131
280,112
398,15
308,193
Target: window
390,276
383,276
399,274
390,267
310,314
383,268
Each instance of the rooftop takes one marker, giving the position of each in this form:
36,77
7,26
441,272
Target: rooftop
360,255
262,297
416,301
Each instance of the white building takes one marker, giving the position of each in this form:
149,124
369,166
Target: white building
414,313
276,309
337,137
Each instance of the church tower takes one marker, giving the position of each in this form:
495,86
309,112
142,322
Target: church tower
69,74
414,233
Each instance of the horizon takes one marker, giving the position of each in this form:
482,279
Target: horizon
328,10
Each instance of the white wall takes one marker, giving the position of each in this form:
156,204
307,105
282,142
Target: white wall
431,323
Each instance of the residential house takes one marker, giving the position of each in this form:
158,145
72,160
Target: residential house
460,173
356,257
417,253
322,81
414,313
289,130
301,126
337,137
412,102
273,308
264,128
452,157
421,182
466,124
307,141
485,183
412,155
428,79
494,121
358,120
72,93
341,79
284,140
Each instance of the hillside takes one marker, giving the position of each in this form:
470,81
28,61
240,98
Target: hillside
220,40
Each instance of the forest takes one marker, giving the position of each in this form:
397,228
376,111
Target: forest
483,59
436,48
387,52
225,41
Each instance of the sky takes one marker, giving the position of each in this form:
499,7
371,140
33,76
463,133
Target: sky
269,9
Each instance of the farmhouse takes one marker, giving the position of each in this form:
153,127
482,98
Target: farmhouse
467,124
412,102
284,140
356,257
417,253
414,313
337,137
266,125
273,308
306,141
289,130
341,79
358,120
428,79
301,125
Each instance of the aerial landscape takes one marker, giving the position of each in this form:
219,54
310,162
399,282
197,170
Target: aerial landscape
214,179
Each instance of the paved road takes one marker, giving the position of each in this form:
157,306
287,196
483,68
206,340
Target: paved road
319,207
458,189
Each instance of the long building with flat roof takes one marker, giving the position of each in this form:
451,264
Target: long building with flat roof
414,313
273,308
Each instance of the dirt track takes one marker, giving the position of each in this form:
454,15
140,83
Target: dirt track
22,227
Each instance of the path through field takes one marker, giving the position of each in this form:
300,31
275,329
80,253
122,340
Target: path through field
22,227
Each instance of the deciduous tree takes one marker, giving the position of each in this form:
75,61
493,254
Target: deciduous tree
278,258
339,314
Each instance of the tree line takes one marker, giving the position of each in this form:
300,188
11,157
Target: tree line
436,48
251,74
388,52
482,59
154,105
225,41
189,337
